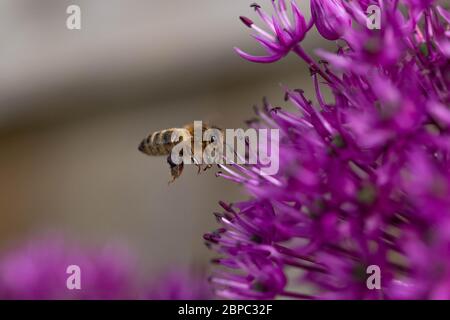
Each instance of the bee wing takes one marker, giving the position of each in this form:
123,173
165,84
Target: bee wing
181,134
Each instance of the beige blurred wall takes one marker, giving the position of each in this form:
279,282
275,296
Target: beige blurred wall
74,106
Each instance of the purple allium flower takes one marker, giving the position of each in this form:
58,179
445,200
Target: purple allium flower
330,17
281,34
364,178
179,284
38,271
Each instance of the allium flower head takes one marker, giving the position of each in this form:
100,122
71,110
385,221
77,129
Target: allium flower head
39,271
280,33
364,178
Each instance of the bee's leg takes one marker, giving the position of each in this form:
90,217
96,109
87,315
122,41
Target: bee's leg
208,166
199,166
175,169
176,172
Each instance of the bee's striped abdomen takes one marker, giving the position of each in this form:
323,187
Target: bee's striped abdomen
160,143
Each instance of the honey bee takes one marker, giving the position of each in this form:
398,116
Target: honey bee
161,143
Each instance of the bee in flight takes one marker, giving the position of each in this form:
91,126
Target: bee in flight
161,143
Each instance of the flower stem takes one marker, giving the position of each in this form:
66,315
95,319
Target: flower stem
312,64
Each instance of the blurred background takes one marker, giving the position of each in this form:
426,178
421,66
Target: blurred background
74,105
